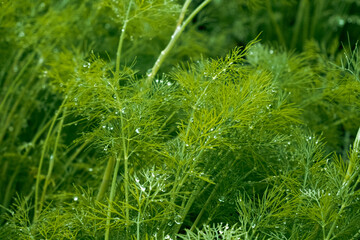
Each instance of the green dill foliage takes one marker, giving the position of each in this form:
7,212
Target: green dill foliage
136,119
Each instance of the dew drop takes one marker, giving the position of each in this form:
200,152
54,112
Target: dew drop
76,198
137,130
148,72
178,219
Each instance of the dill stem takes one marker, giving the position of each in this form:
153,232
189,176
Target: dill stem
174,37
38,204
52,158
204,207
316,17
299,17
111,199
113,184
117,164
126,176
121,40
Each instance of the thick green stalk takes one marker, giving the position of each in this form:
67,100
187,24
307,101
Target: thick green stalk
174,37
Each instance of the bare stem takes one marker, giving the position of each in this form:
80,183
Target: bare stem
174,37
121,40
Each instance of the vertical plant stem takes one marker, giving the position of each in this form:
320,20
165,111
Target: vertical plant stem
319,8
52,158
126,175
117,165
306,23
121,40
114,179
38,204
174,37
298,21
112,195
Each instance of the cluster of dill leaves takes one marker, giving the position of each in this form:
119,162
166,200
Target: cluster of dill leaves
170,119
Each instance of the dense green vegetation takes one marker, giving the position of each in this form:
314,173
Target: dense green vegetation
179,119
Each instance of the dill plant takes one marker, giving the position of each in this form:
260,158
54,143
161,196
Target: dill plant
243,146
